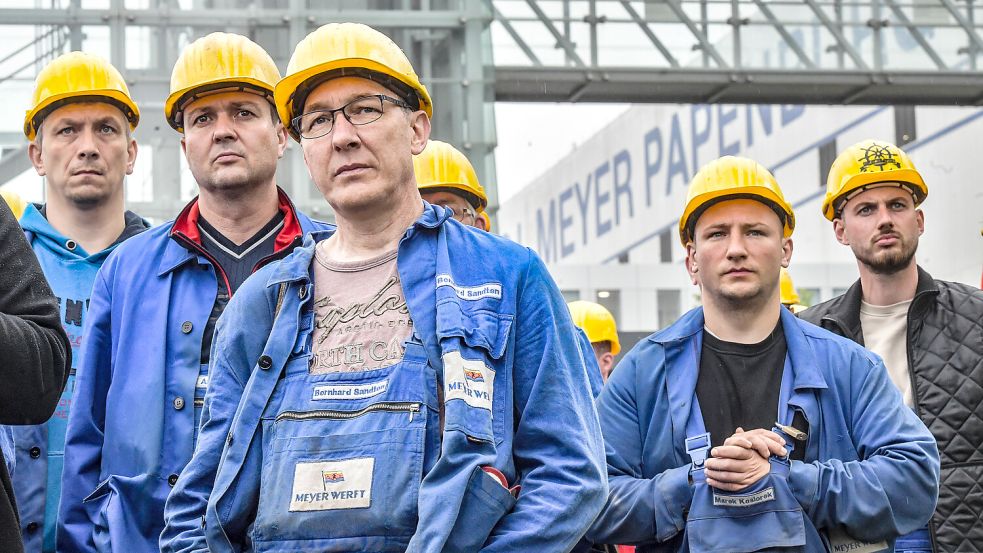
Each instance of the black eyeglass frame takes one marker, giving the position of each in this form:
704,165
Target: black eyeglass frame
295,122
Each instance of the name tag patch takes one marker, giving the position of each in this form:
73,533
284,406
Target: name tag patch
765,495
468,380
349,391
472,293
841,542
202,381
329,485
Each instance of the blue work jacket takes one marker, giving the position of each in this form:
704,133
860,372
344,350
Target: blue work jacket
131,429
70,271
871,468
491,330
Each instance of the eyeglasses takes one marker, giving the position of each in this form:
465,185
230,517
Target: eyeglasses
360,111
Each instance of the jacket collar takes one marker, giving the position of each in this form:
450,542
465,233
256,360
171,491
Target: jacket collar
186,239
297,265
805,368
845,312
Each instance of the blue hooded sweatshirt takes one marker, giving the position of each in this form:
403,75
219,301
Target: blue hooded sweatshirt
39,450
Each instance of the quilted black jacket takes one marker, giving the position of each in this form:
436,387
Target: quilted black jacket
945,357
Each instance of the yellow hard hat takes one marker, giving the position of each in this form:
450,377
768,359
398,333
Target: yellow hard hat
441,166
597,322
732,177
78,77
867,163
346,49
218,61
15,202
487,218
788,293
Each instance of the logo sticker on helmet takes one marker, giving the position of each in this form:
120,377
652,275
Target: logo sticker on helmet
877,156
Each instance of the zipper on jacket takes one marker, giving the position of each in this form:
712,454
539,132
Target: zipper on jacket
333,414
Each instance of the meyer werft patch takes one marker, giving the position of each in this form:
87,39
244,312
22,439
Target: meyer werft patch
487,290
746,500
328,485
468,380
349,391
841,542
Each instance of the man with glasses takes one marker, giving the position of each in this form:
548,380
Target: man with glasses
379,389
145,364
446,178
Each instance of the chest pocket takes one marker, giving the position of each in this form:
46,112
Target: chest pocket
476,394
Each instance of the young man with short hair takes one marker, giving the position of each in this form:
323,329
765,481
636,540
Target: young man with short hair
926,329
740,427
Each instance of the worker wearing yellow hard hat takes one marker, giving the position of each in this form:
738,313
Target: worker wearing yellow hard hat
602,332
14,202
168,288
446,178
789,295
79,125
916,323
708,386
414,367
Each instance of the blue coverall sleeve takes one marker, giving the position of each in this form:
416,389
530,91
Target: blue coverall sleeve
184,512
87,421
557,447
639,509
893,489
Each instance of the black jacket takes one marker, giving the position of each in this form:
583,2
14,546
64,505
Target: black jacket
34,353
945,360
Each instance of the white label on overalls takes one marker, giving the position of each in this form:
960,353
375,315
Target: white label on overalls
468,380
841,542
349,391
488,290
323,486
767,494
202,381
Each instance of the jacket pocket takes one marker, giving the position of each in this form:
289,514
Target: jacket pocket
765,516
473,344
350,491
485,502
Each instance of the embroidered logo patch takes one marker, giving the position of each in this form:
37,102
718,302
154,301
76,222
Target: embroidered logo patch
349,391
328,485
472,293
468,380
746,500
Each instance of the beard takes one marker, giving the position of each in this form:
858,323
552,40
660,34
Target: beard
888,262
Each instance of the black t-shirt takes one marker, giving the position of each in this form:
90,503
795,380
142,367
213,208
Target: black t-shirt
237,261
739,384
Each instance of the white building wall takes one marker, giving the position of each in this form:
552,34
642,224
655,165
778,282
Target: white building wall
614,195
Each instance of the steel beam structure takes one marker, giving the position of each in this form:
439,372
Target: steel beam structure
448,42
756,51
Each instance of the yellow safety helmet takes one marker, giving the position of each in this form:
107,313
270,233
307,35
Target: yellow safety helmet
487,218
218,61
16,204
731,177
867,163
441,166
789,295
597,322
78,77
346,49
